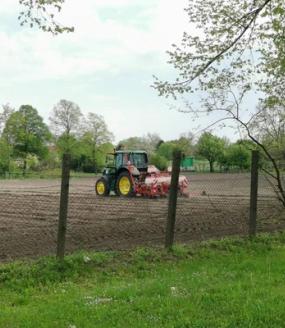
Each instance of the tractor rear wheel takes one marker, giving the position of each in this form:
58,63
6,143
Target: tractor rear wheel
101,187
124,185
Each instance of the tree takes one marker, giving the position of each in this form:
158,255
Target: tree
269,127
7,110
41,13
4,156
238,155
149,143
66,118
166,149
159,161
66,124
235,49
132,143
186,143
152,142
210,147
224,35
27,134
5,143
96,134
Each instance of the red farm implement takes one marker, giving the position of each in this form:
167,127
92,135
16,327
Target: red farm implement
127,173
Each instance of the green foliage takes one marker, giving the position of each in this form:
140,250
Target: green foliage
95,143
88,161
27,134
187,287
148,143
219,51
166,149
235,53
186,144
132,143
237,155
66,119
67,143
210,147
159,161
5,152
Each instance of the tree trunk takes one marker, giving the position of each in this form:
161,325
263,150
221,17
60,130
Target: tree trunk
25,167
93,160
211,166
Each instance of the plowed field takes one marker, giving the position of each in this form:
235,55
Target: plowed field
218,206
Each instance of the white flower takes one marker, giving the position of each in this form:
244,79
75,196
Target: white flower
173,290
99,300
86,259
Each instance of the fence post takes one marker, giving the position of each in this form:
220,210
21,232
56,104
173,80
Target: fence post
253,193
172,203
63,209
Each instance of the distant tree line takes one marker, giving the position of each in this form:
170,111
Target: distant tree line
27,143
217,151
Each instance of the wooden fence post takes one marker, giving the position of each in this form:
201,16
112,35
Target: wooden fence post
253,193
172,203
63,209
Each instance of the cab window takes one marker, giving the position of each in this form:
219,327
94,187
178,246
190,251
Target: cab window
139,160
119,160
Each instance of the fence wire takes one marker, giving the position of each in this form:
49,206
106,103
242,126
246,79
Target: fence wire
217,206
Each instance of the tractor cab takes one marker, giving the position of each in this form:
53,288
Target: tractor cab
136,158
117,175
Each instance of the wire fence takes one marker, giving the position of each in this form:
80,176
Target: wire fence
218,206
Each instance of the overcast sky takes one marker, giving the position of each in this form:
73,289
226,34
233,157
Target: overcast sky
105,66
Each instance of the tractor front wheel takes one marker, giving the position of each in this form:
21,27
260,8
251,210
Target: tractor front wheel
101,187
124,185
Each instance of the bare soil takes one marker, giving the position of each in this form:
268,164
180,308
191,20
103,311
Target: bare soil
218,206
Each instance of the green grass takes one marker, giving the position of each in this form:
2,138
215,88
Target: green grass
228,283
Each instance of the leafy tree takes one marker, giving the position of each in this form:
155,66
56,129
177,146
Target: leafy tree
269,127
66,124
132,143
68,144
211,148
7,110
5,143
186,143
96,134
226,34
149,143
238,155
152,142
234,49
66,118
166,149
159,161
82,159
103,150
4,156
27,134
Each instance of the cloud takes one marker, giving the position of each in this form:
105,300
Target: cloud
106,65
113,45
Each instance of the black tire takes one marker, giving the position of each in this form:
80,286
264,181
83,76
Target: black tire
101,187
124,176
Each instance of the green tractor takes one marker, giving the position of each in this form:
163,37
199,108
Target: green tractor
121,168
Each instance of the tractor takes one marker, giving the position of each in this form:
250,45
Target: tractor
127,173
